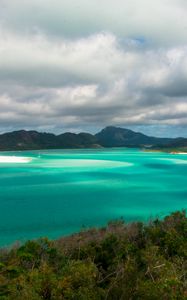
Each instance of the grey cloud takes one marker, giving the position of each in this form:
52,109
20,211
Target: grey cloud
55,74
177,87
160,21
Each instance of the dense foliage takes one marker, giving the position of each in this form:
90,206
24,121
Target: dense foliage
121,261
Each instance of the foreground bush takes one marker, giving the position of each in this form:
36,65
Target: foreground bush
121,261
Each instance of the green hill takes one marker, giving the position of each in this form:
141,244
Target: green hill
108,137
119,262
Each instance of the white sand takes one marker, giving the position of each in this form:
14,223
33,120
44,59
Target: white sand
14,159
182,153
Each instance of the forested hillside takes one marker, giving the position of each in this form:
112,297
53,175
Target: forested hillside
121,261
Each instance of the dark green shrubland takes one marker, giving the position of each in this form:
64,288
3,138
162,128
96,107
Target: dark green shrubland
121,261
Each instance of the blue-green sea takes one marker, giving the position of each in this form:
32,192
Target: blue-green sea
62,191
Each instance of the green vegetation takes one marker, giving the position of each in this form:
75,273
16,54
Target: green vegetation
121,261
175,150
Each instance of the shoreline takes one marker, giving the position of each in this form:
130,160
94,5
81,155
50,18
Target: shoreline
175,152
164,151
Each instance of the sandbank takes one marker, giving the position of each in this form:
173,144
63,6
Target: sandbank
14,159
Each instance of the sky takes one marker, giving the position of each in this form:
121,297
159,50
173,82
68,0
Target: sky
81,65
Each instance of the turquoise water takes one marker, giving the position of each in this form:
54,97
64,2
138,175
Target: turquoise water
61,191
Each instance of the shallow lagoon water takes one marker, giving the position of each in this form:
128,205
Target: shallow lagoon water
61,191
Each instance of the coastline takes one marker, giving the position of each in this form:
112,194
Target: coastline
165,151
175,152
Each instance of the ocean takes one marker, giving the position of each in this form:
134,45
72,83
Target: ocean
60,192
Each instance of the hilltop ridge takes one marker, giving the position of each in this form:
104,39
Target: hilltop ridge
110,136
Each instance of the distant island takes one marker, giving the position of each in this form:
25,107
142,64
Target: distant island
108,137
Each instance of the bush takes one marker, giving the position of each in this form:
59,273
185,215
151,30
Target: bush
133,261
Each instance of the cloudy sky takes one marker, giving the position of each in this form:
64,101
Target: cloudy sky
80,65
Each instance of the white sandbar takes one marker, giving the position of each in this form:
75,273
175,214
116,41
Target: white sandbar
182,153
69,163
14,159
178,152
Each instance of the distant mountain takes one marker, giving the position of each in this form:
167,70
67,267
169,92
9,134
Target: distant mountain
24,140
33,140
174,146
120,137
178,142
108,137
81,140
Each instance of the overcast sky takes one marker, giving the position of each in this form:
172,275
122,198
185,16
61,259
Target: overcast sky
79,65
